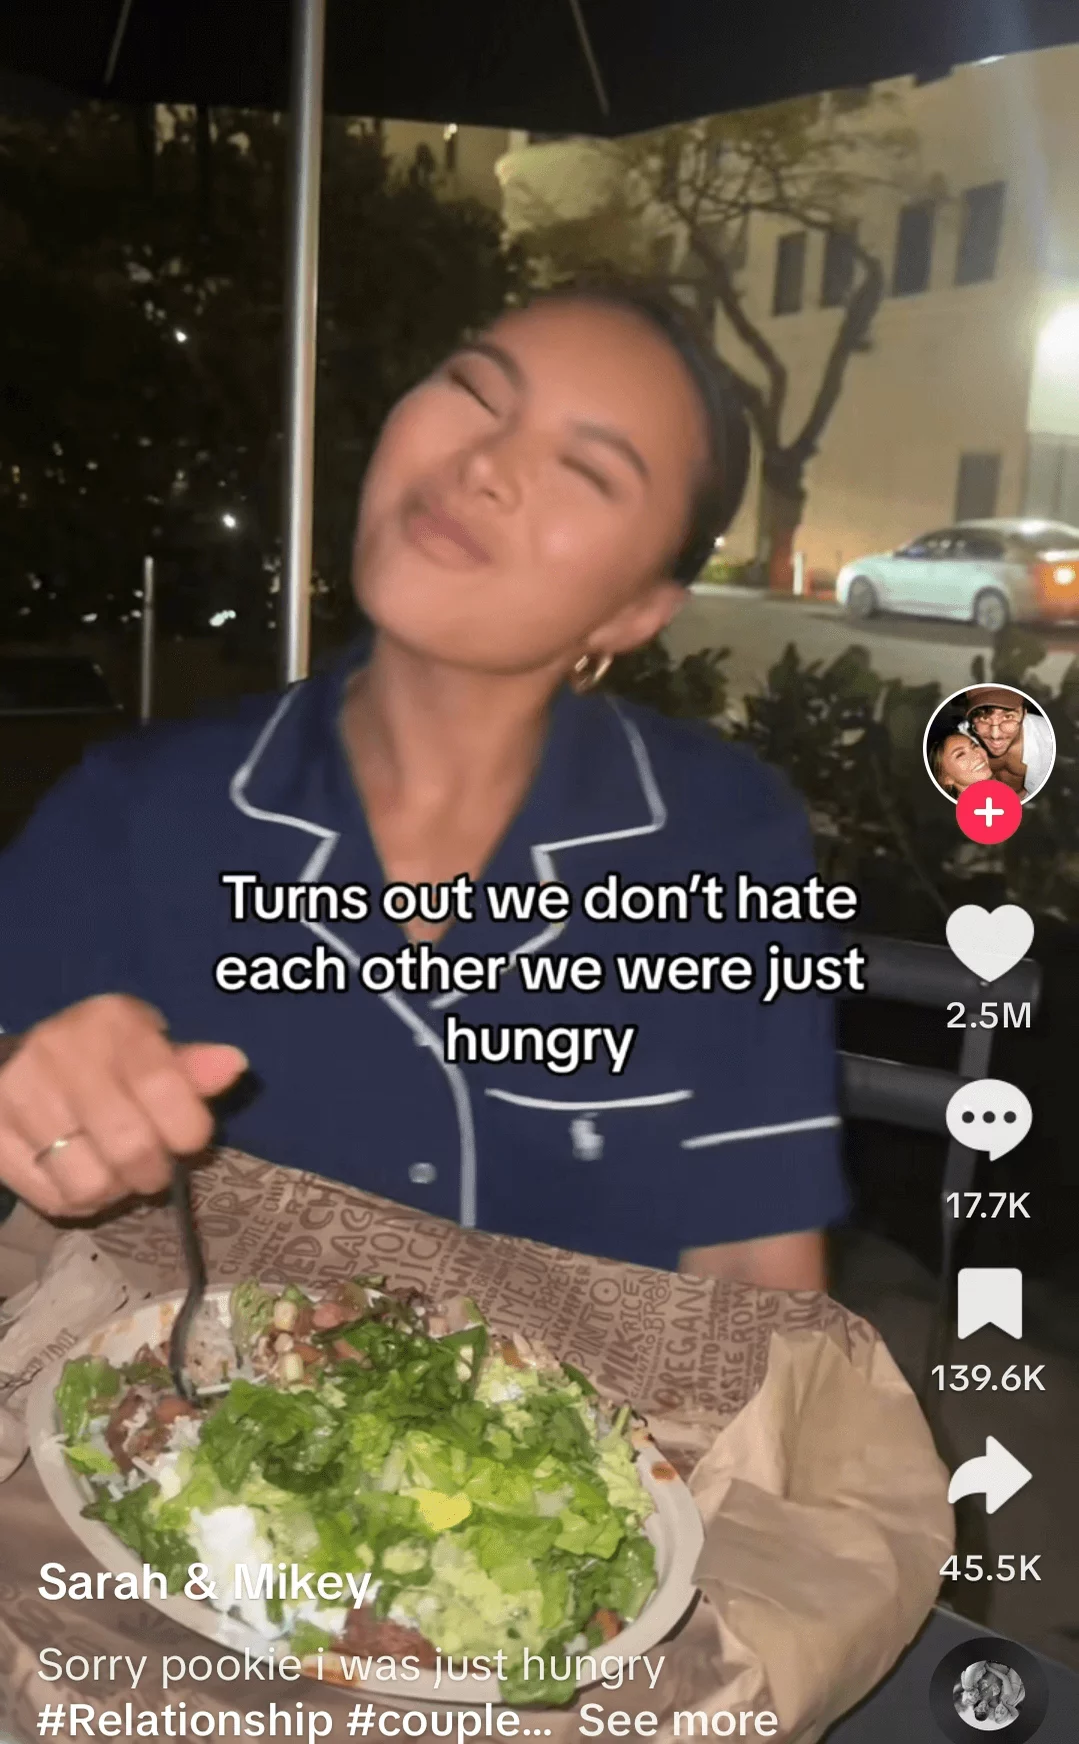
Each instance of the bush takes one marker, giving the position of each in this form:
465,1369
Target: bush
731,574
694,689
851,744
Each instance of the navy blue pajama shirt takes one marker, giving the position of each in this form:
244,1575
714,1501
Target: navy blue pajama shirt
723,1125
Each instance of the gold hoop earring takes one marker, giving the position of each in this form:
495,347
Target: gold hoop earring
588,671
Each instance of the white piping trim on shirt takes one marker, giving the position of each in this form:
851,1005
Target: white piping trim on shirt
666,1096
426,1037
543,852
244,773
717,1138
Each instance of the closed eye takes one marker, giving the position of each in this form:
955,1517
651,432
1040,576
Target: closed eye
595,478
460,380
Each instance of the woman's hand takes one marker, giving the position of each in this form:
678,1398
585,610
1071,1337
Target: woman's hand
104,1077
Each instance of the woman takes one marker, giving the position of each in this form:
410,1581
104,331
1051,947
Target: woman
533,509
958,761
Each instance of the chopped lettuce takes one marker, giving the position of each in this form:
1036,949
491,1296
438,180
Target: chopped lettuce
308,1638
619,1475
147,1373
251,1313
90,1460
132,1519
89,1387
495,1506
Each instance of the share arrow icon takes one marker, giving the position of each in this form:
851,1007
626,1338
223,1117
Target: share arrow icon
997,1475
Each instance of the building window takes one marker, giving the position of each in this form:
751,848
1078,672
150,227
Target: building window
979,236
976,487
449,148
790,273
1052,492
913,249
837,273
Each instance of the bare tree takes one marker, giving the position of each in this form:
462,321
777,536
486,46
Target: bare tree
678,205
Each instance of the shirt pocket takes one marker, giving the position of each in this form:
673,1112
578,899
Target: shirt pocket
575,1128
587,1173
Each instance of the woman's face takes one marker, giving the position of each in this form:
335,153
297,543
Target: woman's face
525,502
963,762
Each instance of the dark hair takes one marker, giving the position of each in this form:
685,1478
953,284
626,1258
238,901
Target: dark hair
936,761
718,496
988,708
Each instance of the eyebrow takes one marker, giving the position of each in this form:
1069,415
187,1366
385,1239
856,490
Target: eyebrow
615,439
509,366
511,369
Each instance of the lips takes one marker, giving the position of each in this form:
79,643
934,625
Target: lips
441,535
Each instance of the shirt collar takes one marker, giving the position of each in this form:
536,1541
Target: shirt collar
595,782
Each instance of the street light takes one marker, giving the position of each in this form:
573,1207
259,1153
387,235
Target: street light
1058,341
229,521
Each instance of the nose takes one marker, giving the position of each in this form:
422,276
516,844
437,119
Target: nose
492,468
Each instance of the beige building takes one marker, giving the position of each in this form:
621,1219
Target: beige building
463,158
967,402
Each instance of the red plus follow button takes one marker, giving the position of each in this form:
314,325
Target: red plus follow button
988,811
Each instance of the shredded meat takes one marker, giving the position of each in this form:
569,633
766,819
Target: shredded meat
609,1622
149,1441
153,1437
345,1294
345,1352
127,1444
118,1426
167,1410
367,1634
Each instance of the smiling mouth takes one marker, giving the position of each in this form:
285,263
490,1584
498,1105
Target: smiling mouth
439,535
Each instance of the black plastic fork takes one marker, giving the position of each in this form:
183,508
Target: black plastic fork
180,1194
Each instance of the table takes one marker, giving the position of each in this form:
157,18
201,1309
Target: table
786,1406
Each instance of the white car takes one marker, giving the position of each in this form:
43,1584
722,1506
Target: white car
987,573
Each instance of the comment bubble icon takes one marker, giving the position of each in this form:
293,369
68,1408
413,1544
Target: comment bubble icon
989,1115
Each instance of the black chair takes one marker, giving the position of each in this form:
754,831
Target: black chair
917,1097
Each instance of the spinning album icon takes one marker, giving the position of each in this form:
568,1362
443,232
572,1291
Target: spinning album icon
992,1686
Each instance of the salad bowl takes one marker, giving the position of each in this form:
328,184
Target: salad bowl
673,1526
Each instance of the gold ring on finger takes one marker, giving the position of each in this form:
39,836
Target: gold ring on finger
58,1144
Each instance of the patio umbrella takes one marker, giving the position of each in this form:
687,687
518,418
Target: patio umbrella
552,66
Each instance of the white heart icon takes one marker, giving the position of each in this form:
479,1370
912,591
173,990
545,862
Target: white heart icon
989,943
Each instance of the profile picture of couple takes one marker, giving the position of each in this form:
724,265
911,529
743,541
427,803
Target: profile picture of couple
990,732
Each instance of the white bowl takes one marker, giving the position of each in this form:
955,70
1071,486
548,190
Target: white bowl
675,1528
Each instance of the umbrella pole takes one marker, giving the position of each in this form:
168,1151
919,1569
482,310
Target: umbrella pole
308,66
146,641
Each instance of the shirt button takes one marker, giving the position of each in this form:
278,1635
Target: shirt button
422,1174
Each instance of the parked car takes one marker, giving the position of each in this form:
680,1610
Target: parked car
52,706
988,573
